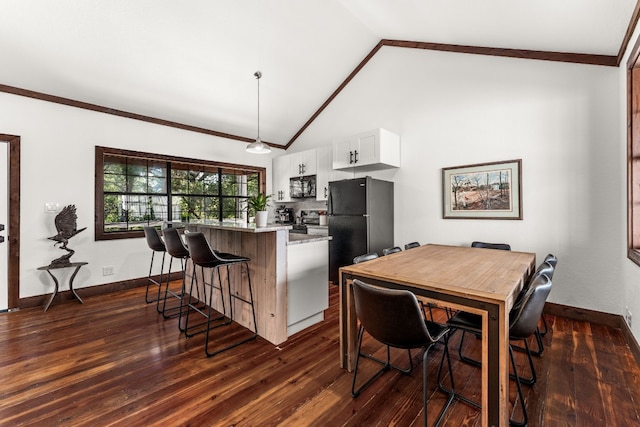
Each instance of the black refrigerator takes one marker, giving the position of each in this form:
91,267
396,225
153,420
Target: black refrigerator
360,215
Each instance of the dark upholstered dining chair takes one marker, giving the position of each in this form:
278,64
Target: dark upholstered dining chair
365,257
394,318
485,245
393,250
553,260
523,322
411,245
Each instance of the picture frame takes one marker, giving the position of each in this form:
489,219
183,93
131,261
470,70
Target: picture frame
483,191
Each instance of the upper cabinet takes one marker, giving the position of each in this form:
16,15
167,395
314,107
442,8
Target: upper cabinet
281,169
326,173
290,166
303,163
376,149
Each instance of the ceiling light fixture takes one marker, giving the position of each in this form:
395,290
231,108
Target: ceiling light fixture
258,147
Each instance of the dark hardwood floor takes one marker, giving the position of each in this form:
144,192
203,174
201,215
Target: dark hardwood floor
115,361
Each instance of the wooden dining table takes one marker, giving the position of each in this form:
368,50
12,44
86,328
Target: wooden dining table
481,281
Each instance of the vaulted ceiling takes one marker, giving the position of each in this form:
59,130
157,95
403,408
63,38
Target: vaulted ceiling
192,63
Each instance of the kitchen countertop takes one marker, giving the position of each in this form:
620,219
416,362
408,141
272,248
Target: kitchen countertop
296,238
241,226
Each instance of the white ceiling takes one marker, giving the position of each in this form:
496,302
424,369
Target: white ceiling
192,62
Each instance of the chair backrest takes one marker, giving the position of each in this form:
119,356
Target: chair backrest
411,245
523,321
393,250
551,259
365,257
199,249
174,244
153,239
391,316
543,269
500,246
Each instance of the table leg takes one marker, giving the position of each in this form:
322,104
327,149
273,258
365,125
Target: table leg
55,291
73,276
497,366
348,324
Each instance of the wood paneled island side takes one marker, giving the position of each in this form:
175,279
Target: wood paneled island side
267,248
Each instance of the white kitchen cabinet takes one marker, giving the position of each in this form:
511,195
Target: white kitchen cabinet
302,163
376,149
281,169
326,173
307,284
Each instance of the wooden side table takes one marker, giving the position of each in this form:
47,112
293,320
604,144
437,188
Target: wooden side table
48,269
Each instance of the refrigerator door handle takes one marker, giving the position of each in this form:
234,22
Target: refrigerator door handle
329,204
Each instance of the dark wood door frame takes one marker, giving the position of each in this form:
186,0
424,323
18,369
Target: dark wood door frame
14,219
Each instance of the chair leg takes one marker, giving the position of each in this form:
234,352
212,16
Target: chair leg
452,394
465,358
531,380
151,281
524,421
167,291
539,343
546,327
160,309
231,298
386,365
199,306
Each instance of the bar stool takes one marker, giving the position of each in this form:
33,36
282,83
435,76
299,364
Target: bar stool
156,245
203,256
176,249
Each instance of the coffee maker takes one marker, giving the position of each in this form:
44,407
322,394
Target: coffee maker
285,215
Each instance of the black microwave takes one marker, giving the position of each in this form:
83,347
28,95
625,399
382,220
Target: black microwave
303,186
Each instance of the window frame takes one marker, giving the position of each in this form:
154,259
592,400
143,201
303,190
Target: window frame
101,152
633,155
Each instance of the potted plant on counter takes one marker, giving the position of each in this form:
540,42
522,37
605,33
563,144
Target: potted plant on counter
259,204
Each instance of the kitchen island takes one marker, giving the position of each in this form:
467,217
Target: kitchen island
274,257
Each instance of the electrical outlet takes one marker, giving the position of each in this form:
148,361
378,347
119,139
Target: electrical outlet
107,270
627,316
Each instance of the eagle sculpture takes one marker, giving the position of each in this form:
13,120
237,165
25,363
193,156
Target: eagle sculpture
67,228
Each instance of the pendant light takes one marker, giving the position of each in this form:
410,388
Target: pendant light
258,147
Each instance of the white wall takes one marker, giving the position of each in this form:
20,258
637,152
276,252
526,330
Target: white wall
631,271
562,120
57,165
565,121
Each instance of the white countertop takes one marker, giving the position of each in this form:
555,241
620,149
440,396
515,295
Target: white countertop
240,226
298,238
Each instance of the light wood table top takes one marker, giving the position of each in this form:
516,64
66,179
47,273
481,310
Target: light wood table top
483,274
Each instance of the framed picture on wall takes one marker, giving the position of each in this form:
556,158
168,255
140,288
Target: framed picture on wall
483,191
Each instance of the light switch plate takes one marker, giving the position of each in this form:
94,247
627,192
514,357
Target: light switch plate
51,207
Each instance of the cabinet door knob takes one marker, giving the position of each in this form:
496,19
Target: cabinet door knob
356,156
350,157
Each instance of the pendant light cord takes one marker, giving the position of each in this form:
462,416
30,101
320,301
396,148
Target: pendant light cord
258,74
